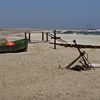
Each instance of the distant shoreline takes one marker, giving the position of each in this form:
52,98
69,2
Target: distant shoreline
32,30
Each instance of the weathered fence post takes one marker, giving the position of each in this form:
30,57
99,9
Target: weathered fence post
47,36
42,36
25,35
29,37
54,39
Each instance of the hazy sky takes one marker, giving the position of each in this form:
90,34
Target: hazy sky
50,13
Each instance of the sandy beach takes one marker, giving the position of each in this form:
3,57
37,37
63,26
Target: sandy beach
35,74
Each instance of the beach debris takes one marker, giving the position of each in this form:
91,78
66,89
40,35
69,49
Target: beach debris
85,64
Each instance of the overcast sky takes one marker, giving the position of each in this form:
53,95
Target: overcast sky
50,13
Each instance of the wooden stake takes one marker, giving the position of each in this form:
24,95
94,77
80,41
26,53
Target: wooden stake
29,37
47,36
42,36
54,39
25,35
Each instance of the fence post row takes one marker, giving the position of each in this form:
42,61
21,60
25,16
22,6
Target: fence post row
29,36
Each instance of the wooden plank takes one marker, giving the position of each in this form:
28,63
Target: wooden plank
82,46
79,45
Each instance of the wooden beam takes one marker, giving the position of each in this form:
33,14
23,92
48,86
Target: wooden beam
79,45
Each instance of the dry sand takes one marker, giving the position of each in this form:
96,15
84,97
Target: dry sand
35,74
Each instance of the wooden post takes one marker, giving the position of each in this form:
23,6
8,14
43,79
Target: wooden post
54,39
42,36
25,35
29,37
47,36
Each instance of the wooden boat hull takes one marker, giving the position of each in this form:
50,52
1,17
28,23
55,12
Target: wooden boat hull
19,46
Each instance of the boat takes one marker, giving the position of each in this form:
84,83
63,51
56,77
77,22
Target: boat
17,46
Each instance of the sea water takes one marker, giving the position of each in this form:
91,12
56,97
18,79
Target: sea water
83,32
89,33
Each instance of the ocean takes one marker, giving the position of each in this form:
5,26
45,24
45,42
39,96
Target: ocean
84,33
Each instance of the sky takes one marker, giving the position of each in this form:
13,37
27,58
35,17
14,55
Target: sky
49,13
